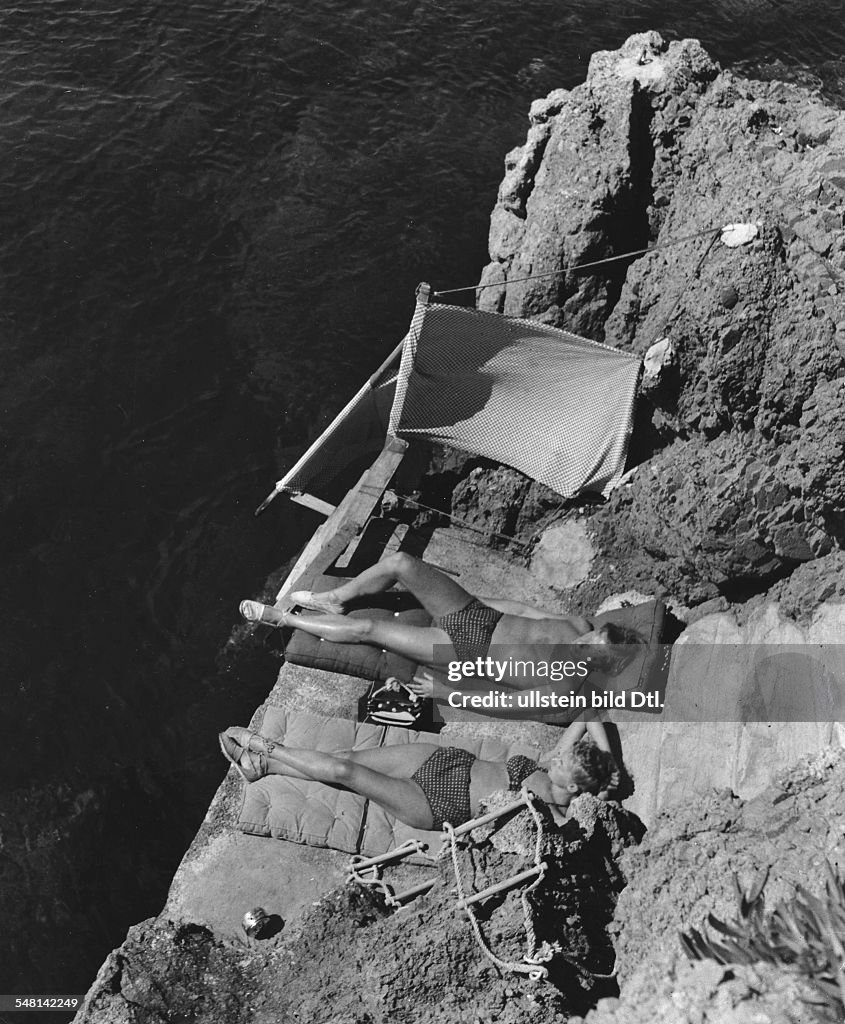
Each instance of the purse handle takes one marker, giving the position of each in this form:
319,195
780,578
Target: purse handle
394,685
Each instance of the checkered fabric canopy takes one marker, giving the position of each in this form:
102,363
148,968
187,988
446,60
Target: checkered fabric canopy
552,405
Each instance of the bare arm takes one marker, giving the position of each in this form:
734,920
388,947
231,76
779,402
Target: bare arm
586,722
589,722
595,727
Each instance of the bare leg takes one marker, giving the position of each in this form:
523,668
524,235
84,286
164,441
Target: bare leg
399,760
428,644
339,628
400,797
437,592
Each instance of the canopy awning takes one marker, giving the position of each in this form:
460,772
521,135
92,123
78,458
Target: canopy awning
551,404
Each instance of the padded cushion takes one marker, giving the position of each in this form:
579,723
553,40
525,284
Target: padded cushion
649,670
325,816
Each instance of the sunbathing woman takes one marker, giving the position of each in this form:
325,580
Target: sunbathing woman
464,627
423,784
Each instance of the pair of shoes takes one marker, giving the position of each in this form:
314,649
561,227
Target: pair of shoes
320,602
265,614
238,739
251,764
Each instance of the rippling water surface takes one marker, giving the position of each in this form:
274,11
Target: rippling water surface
213,218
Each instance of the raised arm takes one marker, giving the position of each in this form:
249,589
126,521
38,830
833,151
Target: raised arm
595,727
587,722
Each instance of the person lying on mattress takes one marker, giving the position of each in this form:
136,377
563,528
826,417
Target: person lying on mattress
424,785
464,627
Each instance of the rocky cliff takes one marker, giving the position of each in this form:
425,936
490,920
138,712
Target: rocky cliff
739,445
705,860
351,958
735,502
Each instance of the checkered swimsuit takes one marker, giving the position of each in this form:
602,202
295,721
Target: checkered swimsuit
471,629
519,767
444,779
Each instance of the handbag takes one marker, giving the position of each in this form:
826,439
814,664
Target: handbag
392,703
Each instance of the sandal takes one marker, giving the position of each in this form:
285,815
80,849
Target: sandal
236,739
265,614
251,764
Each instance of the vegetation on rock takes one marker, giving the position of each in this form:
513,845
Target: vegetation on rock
805,935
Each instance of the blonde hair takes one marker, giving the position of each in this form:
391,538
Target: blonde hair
593,769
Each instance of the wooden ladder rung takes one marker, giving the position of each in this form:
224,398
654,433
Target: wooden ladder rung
507,883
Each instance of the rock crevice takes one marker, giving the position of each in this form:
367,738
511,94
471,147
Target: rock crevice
741,424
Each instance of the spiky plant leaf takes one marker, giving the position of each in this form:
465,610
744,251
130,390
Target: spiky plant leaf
690,947
724,928
805,936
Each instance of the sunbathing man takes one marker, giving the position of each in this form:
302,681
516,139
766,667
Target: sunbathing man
423,784
464,626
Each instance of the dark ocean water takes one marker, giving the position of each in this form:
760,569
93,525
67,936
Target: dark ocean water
212,220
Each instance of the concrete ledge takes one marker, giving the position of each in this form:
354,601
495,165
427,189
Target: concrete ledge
235,872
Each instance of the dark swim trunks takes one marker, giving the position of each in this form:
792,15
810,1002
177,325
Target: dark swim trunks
444,778
471,629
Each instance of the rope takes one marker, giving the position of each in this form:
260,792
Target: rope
463,522
534,958
682,290
536,955
545,952
363,871
534,972
375,883
580,266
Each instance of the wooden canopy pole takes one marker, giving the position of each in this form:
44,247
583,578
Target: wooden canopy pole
423,298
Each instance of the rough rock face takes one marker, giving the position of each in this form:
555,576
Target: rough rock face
810,584
353,960
744,381
499,517
708,518
580,187
710,993
685,870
